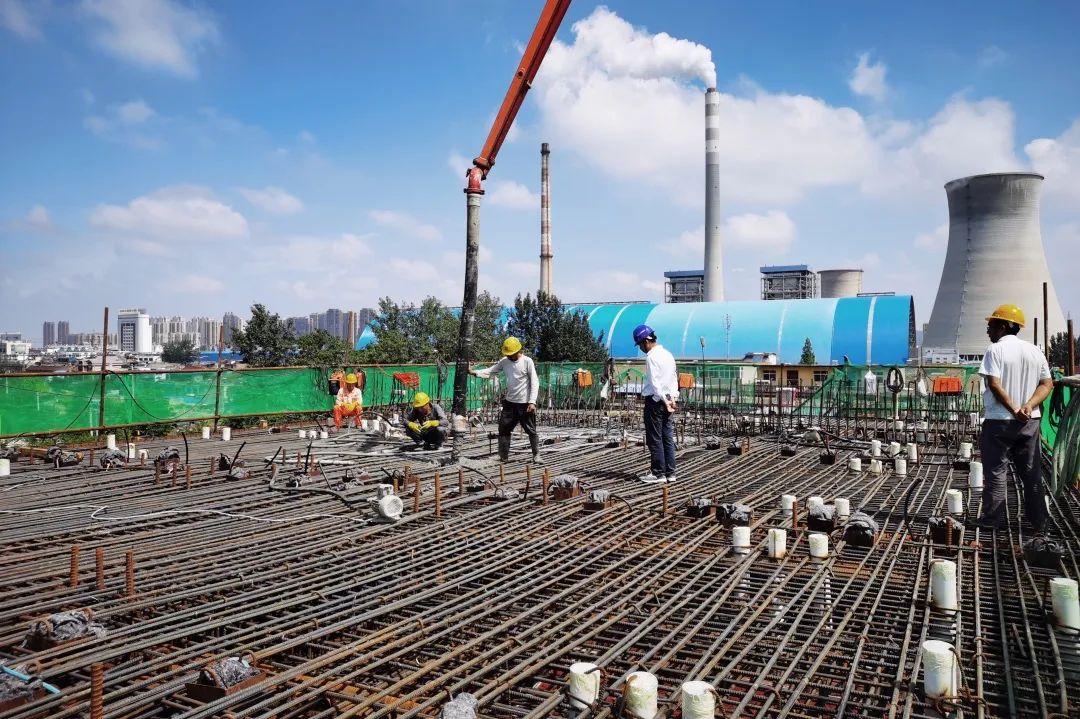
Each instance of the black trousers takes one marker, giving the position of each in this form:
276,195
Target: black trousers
1002,440
513,414
431,437
660,438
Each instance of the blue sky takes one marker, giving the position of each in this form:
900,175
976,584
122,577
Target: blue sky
195,158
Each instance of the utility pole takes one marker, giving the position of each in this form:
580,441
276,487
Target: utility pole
104,356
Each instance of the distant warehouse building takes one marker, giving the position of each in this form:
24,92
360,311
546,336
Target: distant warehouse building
864,330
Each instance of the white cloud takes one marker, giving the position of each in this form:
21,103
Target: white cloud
16,17
1058,159
179,213
992,56
197,283
689,243
605,104
615,285
345,253
936,239
128,123
38,218
964,138
522,269
134,112
273,199
155,34
772,232
405,224
458,164
868,79
503,193
306,137
148,247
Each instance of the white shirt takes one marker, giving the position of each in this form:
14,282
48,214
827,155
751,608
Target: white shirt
1019,366
345,397
661,378
522,384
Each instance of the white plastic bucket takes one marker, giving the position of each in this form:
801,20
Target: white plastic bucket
875,448
941,675
324,435
226,434
302,433
740,539
975,475
206,433
843,507
913,452
900,467
943,584
814,501
640,692
855,464
777,543
819,546
110,441
584,684
698,700
965,450
1064,600
875,466
5,467
787,504
955,500
894,449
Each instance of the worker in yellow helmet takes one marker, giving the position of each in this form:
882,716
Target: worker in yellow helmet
427,422
519,403
1016,380
349,401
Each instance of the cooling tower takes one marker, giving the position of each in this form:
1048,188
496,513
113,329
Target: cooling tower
995,256
714,261
840,283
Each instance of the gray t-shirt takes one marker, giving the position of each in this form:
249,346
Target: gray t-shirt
1019,366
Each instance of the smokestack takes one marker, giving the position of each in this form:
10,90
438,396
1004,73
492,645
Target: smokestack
714,261
995,256
545,222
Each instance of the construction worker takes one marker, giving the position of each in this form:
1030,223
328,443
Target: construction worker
349,402
660,392
1016,380
427,422
519,404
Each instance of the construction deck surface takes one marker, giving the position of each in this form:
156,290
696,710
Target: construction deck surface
349,617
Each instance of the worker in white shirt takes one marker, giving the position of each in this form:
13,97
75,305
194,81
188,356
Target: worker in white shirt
519,404
1016,379
349,401
661,392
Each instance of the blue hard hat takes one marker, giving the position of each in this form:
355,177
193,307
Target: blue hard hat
642,332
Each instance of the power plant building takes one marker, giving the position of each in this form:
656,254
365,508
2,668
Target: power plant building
788,282
994,256
684,286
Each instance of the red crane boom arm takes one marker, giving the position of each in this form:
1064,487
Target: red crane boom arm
543,34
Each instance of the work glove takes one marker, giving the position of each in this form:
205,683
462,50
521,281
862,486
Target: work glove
431,423
413,426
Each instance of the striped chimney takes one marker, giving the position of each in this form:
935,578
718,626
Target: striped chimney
545,221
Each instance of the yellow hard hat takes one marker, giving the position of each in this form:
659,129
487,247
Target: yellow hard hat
350,378
512,345
1008,313
420,399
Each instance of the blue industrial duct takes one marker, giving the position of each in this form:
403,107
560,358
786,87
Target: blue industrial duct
876,329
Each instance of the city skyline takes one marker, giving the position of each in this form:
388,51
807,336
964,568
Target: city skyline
199,328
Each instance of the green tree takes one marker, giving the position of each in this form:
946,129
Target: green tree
321,349
179,352
266,340
550,334
807,353
428,332
1059,350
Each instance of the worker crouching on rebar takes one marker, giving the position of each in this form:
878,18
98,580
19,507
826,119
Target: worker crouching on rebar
349,402
427,422
1016,380
519,404
661,391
